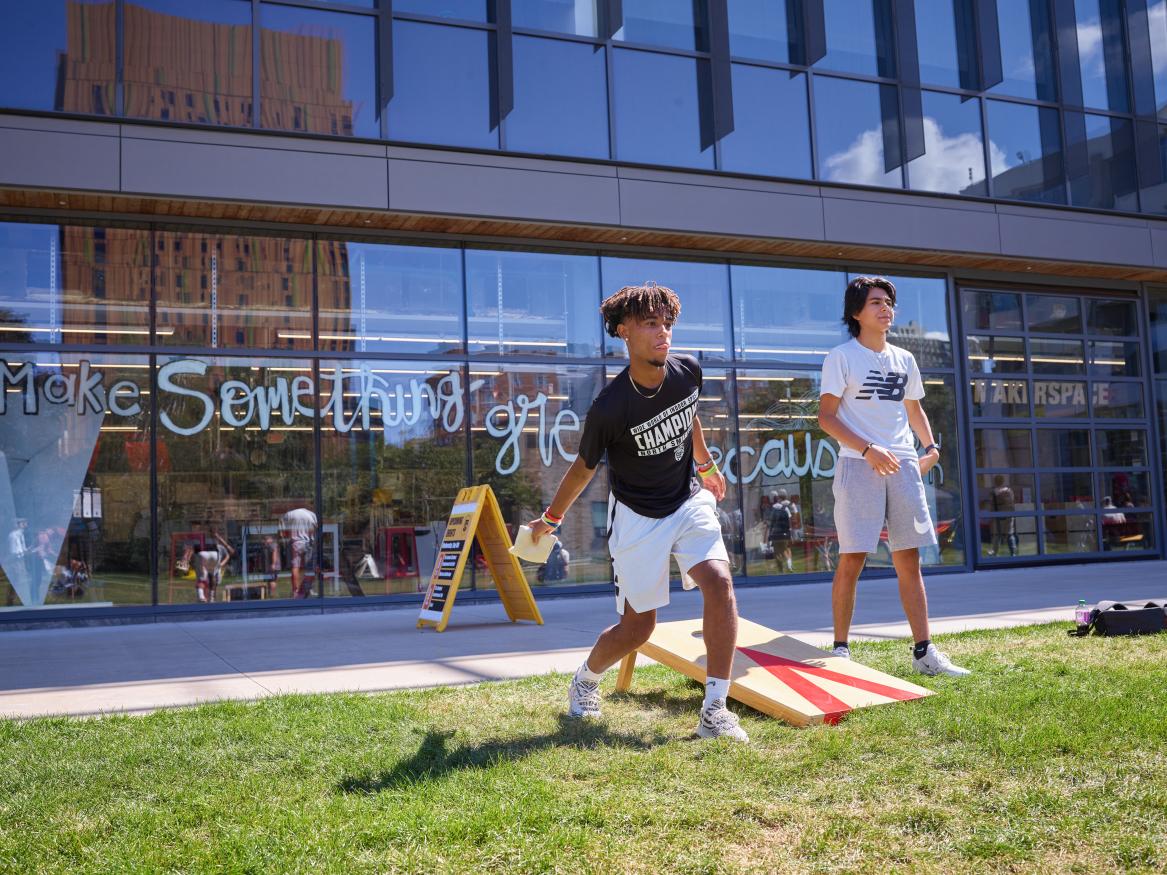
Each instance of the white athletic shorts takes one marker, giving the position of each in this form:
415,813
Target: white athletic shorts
641,547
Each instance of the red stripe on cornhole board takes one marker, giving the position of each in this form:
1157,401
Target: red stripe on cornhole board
833,708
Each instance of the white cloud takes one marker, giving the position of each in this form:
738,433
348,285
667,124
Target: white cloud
949,164
860,162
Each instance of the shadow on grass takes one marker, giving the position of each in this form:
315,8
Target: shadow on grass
434,759
665,701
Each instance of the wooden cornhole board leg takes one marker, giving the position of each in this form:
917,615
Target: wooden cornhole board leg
776,674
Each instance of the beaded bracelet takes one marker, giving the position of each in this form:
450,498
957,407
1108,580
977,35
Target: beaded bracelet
708,470
551,520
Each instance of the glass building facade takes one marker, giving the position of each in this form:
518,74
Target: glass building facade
170,383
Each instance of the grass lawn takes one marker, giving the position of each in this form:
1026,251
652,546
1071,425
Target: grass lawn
1051,757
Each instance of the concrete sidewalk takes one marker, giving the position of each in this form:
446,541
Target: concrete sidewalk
138,668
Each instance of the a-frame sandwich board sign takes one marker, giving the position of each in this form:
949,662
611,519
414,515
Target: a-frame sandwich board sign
776,674
476,514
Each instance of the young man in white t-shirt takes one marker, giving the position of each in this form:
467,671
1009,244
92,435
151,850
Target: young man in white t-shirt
870,403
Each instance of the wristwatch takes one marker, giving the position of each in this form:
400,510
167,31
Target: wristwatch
930,448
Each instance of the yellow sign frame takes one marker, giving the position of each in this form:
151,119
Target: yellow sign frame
476,515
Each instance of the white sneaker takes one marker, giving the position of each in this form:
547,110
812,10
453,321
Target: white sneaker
934,662
841,652
717,721
583,699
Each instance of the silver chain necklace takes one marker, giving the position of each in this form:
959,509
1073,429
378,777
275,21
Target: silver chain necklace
636,389
879,357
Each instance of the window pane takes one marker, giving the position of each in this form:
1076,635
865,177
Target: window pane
940,46
1066,491
526,423
448,102
991,311
760,29
854,121
75,494
680,25
703,287
1118,400
784,460
988,354
1075,533
943,484
771,134
1025,149
859,37
1108,181
466,10
1059,399
188,62
381,297
1153,193
661,110
1122,448
394,457
59,55
1103,72
236,436
223,290
561,16
1003,447
921,319
1054,314
1157,18
787,314
1157,305
561,99
1063,448
1056,356
533,303
994,399
1026,49
318,72
954,154
70,284
1128,531
1006,537
1121,489
1112,317
1003,493
1109,359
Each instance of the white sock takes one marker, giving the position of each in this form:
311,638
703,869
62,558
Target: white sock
584,673
715,688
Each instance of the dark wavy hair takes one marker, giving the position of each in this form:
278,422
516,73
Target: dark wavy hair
639,302
855,298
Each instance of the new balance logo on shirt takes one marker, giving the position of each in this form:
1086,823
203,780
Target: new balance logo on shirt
886,387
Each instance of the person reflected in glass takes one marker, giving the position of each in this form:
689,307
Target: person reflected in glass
271,563
665,486
779,529
870,403
1113,524
208,564
298,526
1004,528
17,564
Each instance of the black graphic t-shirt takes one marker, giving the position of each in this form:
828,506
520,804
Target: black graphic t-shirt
872,388
649,441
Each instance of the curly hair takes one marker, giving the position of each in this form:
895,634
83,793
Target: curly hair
639,302
855,298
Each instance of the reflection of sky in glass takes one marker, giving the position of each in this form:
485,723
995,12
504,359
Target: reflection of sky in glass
560,16
954,158
1092,60
703,327
852,45
1016,148
771,132
357,61
1157,16
1017,21
561,99
849,125
757,29
787,314
936,42
467,10
1109,182
31,40
441,86
658,114
676,23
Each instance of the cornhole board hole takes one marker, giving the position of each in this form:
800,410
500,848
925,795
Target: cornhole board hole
776,674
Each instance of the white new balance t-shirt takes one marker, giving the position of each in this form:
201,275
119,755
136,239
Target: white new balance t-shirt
873,387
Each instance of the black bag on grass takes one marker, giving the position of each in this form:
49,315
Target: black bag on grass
1118,618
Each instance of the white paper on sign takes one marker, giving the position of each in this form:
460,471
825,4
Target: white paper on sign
526,548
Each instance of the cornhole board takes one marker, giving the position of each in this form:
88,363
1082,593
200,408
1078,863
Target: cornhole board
776,674
476,515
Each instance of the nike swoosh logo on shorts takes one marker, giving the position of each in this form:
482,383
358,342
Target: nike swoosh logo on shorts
922,528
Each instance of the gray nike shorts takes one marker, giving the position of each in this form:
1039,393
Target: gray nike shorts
864,500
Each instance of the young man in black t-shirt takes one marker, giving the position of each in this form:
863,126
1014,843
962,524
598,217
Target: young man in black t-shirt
646,422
